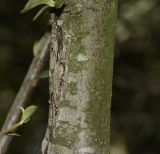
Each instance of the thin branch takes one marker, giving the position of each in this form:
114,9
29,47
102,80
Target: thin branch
25,92
10,129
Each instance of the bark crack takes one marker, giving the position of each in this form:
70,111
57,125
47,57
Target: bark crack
58,56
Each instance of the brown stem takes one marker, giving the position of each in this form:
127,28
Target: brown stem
24,94
10,129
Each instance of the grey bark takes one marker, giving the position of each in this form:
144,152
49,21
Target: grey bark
81,65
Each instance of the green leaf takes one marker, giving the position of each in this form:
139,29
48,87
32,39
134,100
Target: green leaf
44,74
40,12
59,3
34,3
27,113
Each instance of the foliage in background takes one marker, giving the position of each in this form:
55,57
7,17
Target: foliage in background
136,86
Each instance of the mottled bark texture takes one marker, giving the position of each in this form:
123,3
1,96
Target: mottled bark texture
81,64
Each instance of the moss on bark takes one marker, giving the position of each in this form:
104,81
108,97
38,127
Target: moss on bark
84,107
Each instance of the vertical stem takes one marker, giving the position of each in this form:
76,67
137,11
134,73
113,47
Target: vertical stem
81,69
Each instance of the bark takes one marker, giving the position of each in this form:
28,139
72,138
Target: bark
81,65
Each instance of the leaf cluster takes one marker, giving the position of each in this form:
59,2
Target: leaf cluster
46,4
26,116
27,113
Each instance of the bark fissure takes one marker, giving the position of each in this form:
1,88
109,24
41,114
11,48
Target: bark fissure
57,71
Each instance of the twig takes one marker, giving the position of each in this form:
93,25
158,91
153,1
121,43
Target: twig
10,129
24,94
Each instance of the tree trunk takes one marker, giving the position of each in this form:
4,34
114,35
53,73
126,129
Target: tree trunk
81,65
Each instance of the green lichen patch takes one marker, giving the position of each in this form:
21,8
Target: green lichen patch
100,84
72,88
75,66
66,103
66,134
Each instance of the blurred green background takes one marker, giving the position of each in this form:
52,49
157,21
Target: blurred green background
135,126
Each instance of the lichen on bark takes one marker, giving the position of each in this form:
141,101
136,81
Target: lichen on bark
81,122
